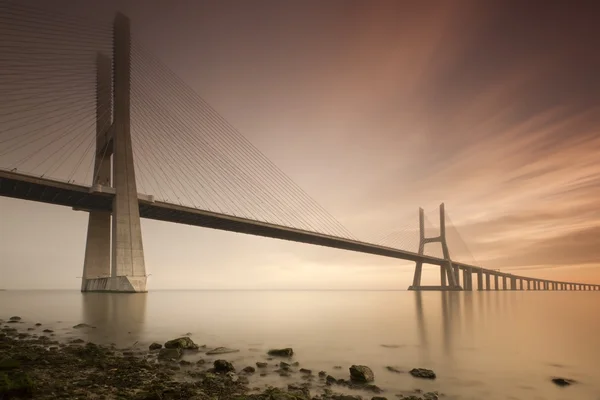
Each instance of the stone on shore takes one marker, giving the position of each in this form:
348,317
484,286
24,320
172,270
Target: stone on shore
170,354
155,346
80,326
260,364
286,352
422,373
8,363
15,318
563,381
223,366
221,350
361,373
183,342
249,370
393,369
16,384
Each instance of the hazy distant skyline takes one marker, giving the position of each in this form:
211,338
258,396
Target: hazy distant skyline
374,108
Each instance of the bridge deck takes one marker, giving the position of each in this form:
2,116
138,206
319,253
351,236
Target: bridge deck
26,187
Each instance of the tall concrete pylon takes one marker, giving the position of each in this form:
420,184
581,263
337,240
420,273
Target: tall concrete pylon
117,265
448,274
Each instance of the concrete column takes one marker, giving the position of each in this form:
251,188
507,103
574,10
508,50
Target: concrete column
528,284
466,279
128,270
446,270
443,279
96,264
496,283
457,275
419,265
513,283
504,286
479,280
487,281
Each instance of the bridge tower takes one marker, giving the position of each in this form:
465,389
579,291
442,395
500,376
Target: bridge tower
448,274
115,265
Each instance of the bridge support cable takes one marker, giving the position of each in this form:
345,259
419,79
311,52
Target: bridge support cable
47,91
459,247
232,148
406,237
250,179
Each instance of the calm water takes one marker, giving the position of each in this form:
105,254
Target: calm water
503,345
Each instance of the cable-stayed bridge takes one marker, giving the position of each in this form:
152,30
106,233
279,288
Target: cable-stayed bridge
91,120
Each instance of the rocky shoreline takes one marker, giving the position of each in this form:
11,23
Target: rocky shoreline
34,363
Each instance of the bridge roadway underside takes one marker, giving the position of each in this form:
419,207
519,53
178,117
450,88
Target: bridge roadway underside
81,197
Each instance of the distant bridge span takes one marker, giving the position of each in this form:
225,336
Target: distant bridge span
100,198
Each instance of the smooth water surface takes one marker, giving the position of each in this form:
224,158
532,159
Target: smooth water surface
482,345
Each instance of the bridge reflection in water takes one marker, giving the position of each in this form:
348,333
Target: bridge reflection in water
118,317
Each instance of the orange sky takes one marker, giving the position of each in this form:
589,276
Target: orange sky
373,108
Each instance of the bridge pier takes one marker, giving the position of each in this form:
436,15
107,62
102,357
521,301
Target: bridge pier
487,281
126,271
479,280
496,287
449,276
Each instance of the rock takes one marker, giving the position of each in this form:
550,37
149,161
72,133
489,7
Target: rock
330,380
221,350
80,326
201,362
249,370
48,330
322,374
378,398
393,369
155,346
9,363
223,366
337,367
38,324
77,341
305,371
299,390
563,381
15,385
370,388
170,354
183,342
287,352
431,396
422,373
260,364
284,365
30,329
361,373
345,397
15,318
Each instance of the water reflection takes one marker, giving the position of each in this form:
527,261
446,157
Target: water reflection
118,317
453,319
